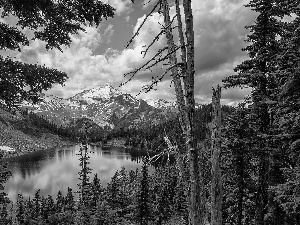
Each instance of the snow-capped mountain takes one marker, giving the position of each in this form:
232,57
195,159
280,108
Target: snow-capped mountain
106,106
162,104
166,105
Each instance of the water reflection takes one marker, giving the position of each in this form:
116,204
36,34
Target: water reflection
57,169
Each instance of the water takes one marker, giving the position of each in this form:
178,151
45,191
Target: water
57,169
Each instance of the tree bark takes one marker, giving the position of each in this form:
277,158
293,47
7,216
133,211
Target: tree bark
216,183
240,184
186,105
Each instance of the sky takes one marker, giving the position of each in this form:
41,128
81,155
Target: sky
98,56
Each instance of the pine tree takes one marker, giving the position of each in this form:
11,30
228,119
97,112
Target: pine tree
47,20
20,213
85,191
69,207
259,73
144,204
51,211
44,212
4,201
285,116
239,142
97,192
36,206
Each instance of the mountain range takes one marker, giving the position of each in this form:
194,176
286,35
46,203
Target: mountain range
106,106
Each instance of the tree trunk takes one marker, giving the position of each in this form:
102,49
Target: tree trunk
186,106
240,174
216,183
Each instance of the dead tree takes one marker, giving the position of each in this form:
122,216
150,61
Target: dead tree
182,72
216,183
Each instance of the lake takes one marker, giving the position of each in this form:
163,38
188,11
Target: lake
57,169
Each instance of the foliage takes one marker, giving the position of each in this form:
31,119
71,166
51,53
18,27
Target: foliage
24,82
50,21
4,201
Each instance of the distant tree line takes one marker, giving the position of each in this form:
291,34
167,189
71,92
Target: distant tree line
152,137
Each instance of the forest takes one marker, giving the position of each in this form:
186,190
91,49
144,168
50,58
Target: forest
233,165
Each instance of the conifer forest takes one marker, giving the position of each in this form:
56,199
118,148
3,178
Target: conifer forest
209,165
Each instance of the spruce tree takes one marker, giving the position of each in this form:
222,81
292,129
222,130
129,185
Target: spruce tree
85,187
239,185
286,117
258,73
143,203
36,206
69,206
20,212
51,211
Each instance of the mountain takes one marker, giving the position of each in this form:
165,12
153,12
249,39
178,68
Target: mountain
163,104
106,106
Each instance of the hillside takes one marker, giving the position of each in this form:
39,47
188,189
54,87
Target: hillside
23,136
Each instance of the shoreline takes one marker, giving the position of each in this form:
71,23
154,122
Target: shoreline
22,150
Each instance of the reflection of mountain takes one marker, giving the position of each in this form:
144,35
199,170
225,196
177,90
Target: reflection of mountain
58,169
29,164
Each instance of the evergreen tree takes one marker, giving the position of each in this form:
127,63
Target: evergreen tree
4,201
143,202
51,211
285,116
44,212
47,19
239,142
85,187
69,207
20,212
36,207
259,73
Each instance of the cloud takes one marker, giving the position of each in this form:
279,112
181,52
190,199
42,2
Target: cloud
219,37
219,32
108,33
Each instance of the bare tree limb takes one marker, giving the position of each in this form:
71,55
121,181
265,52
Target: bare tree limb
142,24
158,79
161,59
155,39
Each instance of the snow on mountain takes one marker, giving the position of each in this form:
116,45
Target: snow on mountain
162,104
106,106
91,95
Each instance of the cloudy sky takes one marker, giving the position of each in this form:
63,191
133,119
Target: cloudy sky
98,56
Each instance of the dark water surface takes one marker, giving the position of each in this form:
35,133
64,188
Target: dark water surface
57,169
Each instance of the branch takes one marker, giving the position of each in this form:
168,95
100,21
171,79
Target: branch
142,24
140,68
155,81
163,58
155,39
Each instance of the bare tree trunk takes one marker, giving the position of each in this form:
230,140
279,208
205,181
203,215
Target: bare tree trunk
240,184
186,105
216,183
